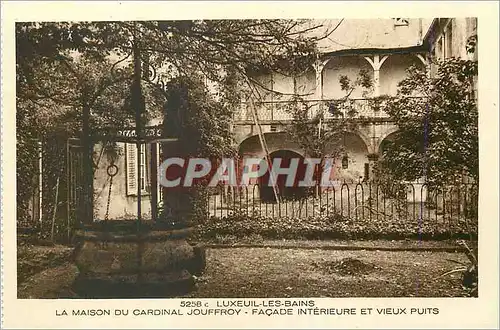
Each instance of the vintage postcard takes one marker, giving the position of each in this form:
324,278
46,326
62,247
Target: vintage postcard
249,164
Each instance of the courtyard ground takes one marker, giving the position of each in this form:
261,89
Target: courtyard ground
271,272
297,269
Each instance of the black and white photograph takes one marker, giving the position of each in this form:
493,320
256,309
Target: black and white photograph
247,159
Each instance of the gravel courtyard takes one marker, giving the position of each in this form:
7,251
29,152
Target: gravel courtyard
294,272
267,272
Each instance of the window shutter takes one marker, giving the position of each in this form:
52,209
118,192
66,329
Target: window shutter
131,156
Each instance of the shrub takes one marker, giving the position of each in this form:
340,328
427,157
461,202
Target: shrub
469,270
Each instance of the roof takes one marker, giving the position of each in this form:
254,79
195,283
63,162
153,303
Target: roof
372,51
435,29
364,34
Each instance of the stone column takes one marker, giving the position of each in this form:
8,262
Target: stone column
372,161
376,62
318,95
318,69
425,62
318,92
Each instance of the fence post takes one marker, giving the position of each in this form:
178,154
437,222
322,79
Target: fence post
40,182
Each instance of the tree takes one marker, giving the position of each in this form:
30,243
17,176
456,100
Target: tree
63,85
205,122
438,125
67,68
221,51
202,125
215,48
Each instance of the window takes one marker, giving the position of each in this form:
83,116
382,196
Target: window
448,35
439,49
142,165
401,21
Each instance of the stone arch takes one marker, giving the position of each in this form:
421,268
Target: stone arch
348,65
393,70
388,136
357,152
364,132
383,142
284,191
251,146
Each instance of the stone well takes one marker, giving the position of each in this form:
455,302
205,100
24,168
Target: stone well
120,259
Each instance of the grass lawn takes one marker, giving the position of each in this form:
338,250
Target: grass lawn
267,272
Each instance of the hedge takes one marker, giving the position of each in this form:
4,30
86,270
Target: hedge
334,227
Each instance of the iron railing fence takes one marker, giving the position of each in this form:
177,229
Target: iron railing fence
42,175
279,110
367,201
361,200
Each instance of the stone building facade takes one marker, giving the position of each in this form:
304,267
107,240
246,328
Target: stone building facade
385,48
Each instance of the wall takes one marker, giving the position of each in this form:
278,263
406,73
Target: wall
370,33
241,132
357,152
357,157
121,205
306,84
460,29
336,67
394,70
251,146
263,83
283,84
